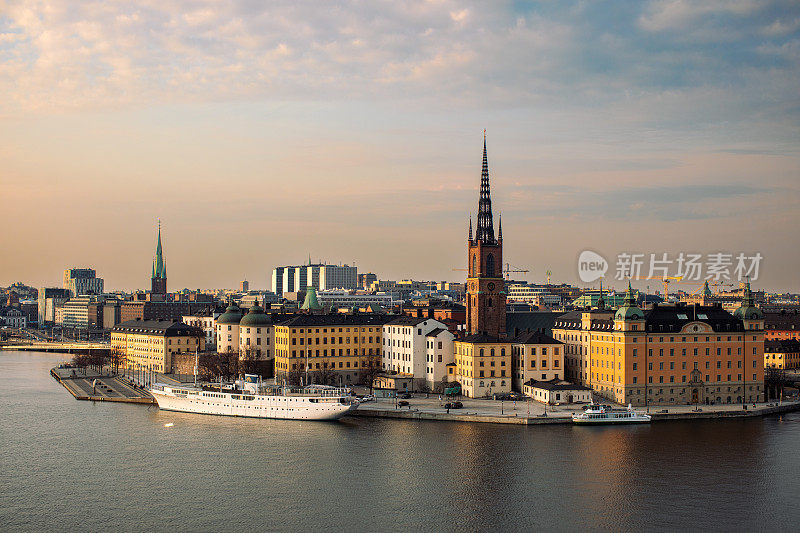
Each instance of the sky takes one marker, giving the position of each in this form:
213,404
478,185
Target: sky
262,133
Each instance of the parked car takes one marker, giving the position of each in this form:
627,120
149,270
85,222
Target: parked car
368,398
456,405
405,396
402,403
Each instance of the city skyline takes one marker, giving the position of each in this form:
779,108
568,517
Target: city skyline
655,127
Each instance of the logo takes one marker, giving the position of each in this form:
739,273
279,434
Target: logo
591,266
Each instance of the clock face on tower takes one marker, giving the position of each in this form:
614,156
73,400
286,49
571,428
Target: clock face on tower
490,286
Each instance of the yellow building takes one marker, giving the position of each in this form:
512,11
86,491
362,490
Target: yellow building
315,345
483,365
670,354
151,344
783,354
536,356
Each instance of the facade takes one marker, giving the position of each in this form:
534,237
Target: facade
112,313
670,354
160,310
555,392
404,346
207,322
533,294
536,356
483,365
782,354
365,281
575,329
82,281
82,312
439,360
345,298
228,329
12,317
782,325
244,286
48,299
151,344
486,296
348,345
256,334
158,278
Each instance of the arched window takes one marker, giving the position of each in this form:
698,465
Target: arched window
474,265
490,265
481,352
489,302
491,352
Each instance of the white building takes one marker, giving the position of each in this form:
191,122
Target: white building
12,317
256,334
344,298
533,294
438,355
319,276
208,323
556,392
404,347
228,329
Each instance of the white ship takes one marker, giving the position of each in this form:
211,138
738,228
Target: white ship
251,398
605,414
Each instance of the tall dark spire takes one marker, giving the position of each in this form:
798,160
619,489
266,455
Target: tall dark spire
159,266
500,228
485,228
470,227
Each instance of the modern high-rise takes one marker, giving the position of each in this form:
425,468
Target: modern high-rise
320,276
82,281
49,299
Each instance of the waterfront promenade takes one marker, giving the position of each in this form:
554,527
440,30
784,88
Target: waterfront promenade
99,387
531,412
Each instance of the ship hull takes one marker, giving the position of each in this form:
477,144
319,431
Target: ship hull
276,407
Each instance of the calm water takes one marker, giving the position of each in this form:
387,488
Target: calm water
70,465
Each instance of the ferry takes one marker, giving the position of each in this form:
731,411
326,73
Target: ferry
251,398
595,414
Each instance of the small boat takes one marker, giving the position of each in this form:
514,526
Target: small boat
251,398
595,414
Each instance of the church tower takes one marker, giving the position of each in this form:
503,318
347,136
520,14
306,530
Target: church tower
158,279
486,295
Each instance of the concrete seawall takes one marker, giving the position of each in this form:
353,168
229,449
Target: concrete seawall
109,389
564,418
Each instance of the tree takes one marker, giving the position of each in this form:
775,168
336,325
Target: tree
370,374
81,361
325,376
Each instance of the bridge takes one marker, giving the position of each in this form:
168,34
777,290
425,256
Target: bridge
58,346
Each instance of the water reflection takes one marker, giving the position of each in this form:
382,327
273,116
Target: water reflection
115,466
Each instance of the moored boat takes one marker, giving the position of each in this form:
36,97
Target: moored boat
251,398
596,414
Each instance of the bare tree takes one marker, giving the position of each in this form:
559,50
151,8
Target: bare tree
370,374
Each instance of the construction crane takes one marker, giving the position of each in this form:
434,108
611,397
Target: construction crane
666,280
508,270
548,272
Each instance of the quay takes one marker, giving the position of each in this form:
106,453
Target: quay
57,347
533,413
107,389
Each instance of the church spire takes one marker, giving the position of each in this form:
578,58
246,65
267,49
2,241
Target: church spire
159,269
470,227
485,229
500,228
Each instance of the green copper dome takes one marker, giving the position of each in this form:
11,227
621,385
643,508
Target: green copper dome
311,303
748,309
232,315
256,317
629,310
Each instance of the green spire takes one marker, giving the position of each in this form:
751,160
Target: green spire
159,268
629,299
311,303
706,289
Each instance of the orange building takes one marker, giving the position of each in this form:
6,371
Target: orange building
670,354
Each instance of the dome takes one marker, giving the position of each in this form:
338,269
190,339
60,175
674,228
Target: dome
748,309
232,315
628,313
256,317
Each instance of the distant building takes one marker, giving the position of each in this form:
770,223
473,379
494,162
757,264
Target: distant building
245,286
82,281
48,299
161,310
782,325
320,276
12,317
536,356
535,294
83,312
207,322
345,298
782,354
151,344
365,281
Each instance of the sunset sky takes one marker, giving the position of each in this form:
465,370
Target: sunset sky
264,132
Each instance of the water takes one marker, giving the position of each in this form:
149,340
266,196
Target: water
79,466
